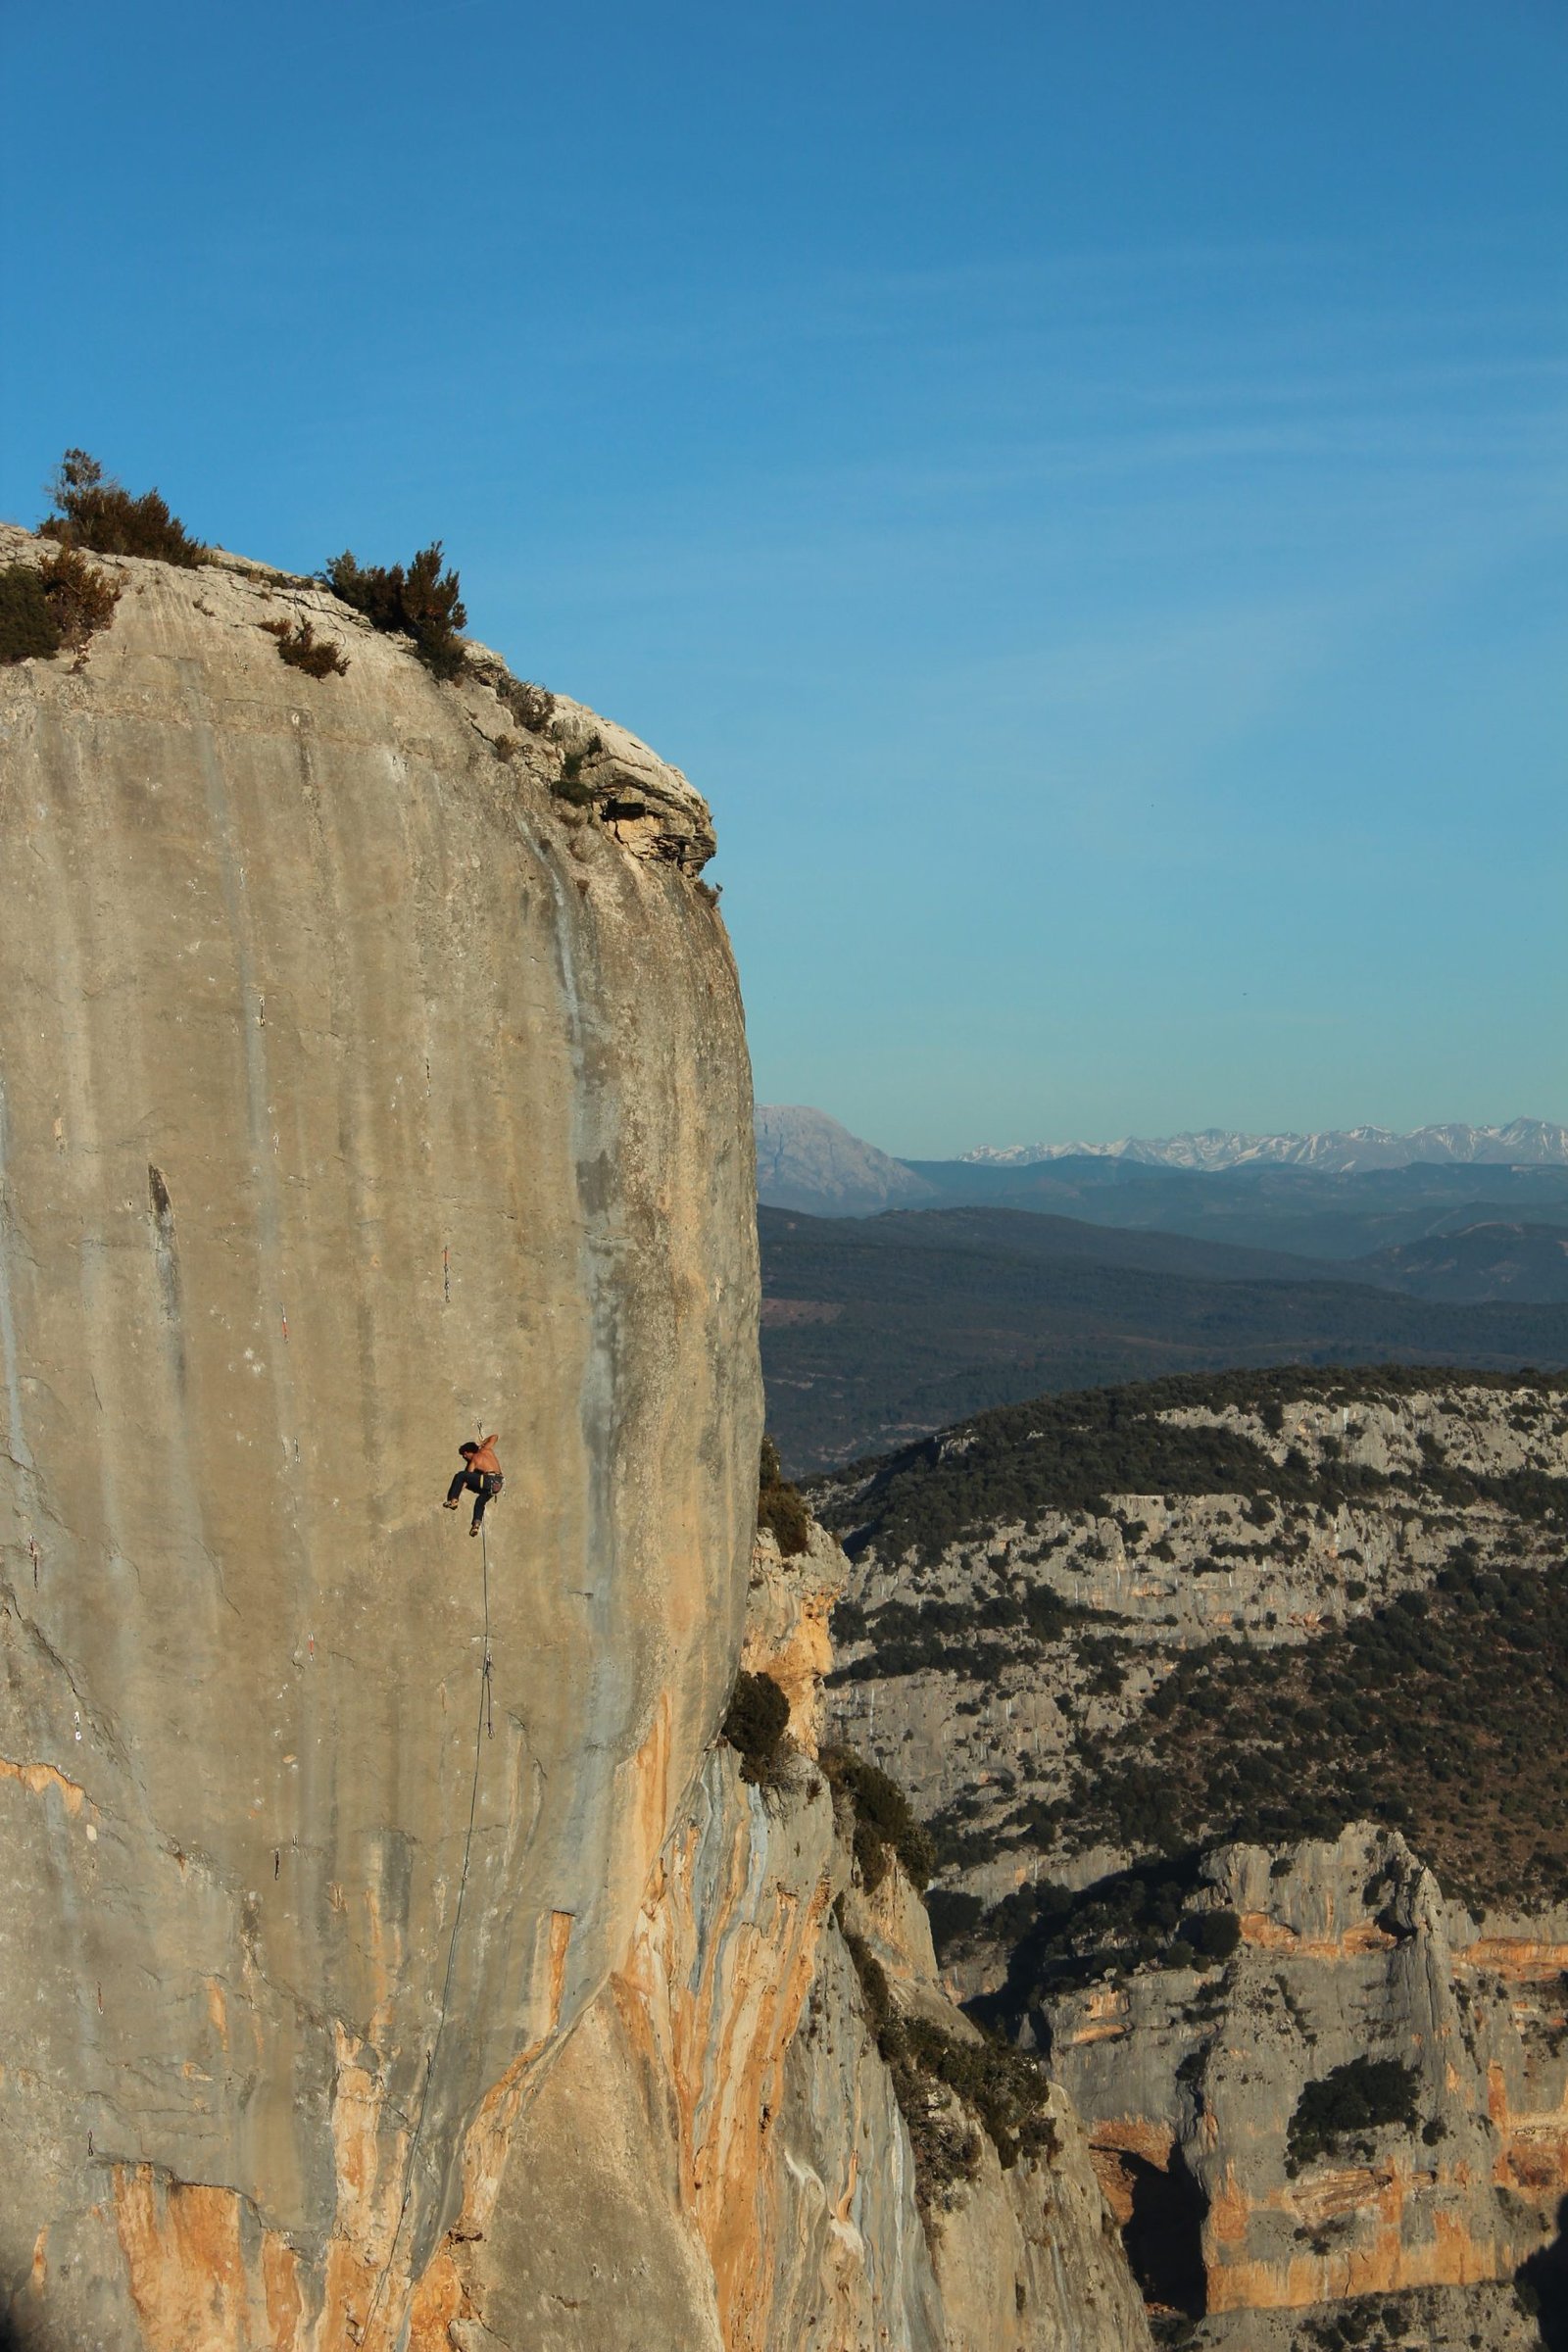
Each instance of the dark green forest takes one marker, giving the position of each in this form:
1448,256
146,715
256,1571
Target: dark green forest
876,1329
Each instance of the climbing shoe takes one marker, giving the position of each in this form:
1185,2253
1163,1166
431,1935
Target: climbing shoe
449,1506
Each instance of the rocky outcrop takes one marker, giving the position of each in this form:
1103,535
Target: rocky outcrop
357,1093
719,2158
1189,2083
1348,1589
999,1716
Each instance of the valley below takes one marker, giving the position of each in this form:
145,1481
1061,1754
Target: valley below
878,1330
1237,1709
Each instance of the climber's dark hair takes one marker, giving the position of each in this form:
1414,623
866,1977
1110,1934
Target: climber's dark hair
471,1446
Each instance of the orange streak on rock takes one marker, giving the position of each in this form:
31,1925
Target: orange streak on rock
650,1771
280,2286
189,2276
1327,2195
440,2294
439,2298
1229,2213
1269,1934
36,1778
1535,2160
1387,2263
217,2011
560,1927
1132,2135
1516,1957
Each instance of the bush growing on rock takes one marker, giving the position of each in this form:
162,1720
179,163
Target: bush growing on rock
912,1636
95,512
1216,1934
418,599
781,1507
29,632
1357,2096
532,707
53,606
884,1824
300,647
953,1912
1000,2085
756,1724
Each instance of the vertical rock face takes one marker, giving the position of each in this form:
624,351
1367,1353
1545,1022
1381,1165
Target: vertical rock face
718,2159
356,1096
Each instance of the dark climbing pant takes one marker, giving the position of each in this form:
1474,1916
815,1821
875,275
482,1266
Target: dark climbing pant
483,1487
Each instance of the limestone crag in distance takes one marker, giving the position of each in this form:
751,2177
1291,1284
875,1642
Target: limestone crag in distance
1235,1708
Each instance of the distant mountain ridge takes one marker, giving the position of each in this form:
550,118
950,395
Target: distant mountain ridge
1527,1143
808,1161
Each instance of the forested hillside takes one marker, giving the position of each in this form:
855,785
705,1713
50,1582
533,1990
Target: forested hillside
1237,1708
878,1330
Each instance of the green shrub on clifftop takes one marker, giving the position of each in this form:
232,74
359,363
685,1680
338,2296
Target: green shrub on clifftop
53,606
418,599
93,511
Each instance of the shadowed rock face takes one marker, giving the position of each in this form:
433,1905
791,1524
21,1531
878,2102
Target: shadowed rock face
355,1096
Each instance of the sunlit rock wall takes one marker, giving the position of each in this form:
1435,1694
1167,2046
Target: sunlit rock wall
356,1095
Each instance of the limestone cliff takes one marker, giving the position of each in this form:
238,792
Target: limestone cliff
1189,2083
998,1664
1126,1650
389,1954
719,2158
356,1095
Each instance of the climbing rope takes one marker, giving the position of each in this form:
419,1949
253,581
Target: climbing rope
484,1554
483,1729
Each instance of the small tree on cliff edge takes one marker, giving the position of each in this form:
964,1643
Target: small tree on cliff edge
95,512
417,598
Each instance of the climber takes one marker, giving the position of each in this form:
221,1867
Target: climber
480,1475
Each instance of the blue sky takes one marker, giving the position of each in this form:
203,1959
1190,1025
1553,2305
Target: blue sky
1081,488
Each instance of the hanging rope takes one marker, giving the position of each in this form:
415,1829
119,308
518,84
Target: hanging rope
484,1554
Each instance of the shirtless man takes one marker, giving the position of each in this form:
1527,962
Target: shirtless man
480,1475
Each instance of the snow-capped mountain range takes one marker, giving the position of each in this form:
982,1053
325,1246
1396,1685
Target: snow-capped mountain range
1522,1143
